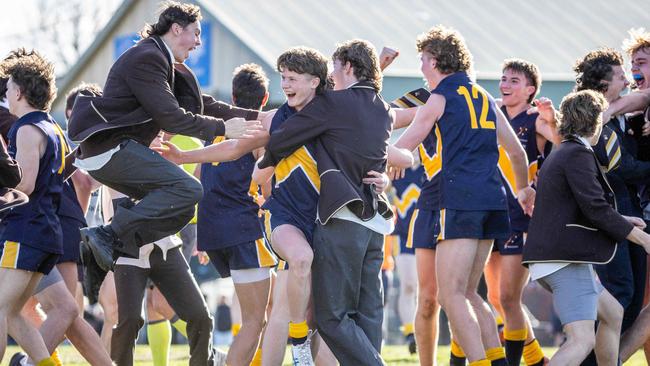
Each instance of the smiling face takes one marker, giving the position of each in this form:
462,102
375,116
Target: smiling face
185,40
515,88
299,89
641,68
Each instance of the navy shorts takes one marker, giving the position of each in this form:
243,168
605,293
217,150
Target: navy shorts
424,229
252,254
511,246
402,238
466,224
276,215
20,256
71,239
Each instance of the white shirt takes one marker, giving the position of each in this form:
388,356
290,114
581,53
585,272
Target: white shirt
377,223
165,244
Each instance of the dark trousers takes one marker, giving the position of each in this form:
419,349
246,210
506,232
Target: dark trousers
177,284
166,193
347,291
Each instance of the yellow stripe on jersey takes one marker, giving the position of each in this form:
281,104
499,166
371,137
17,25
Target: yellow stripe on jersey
432,163
442,225
409,198
64,146
300,159
267,225
508,173
10,254
217,140
264,256
282,265
253,190
411,232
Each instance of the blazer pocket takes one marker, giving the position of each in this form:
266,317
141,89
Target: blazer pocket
581,227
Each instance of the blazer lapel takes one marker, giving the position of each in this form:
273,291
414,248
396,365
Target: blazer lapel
161,45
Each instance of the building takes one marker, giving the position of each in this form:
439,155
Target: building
553,35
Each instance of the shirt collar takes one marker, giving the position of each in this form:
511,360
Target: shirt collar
585,142
169,50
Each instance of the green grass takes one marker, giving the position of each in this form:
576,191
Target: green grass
393,355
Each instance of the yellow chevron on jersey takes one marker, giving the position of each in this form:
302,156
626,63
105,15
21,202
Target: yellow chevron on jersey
64,146
409,198
432,163
217,140
508,173
301,159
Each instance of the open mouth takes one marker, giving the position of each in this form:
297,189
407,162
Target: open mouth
639,81
289,94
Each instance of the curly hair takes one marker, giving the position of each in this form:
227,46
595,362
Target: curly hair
249,86
15,53
526,68
448,47
581,113
596,68
172,12
87,89
639,40
34,76
305,60
363,58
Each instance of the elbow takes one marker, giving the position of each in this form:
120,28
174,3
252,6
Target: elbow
26,188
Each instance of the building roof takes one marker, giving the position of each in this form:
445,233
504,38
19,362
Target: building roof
552,34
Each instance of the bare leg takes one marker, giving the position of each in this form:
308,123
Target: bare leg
428,308
635,337
277,328
253,298
108,301
610,316
579,342
455,260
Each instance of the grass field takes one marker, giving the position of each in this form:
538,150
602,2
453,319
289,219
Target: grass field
393,355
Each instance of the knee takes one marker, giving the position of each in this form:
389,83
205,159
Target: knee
191,189
65,310
198,318
614,314
131,321
510,301
301,262
428,305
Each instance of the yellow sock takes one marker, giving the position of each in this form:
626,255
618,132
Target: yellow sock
495,353
533,353
298,330
235,329
456,350
55,357
407,329
515,335
159,335
483,362
180,325
46,362
257,359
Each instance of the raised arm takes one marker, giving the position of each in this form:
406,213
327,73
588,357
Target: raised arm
425,118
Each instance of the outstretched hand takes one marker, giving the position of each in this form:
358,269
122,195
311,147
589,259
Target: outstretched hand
239,128
170,152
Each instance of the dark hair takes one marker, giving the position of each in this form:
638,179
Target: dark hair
34,75
305,60
249,86
172,12
528,69
87,89
363,58
581,113
15,53
596,68
448,47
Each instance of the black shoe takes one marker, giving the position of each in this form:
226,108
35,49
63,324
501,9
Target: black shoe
93,274
100,241
410,340
16,358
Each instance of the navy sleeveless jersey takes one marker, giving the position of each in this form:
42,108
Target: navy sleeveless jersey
70,207
407,192
524,126
467,130
228,213
36,223
296,182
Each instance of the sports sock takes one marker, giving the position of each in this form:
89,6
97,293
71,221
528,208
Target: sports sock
497,356
55,357
457,357
483,362
235,329
407,329
179,324
257,359
46,362
159,334
298,332
515,340
533,354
